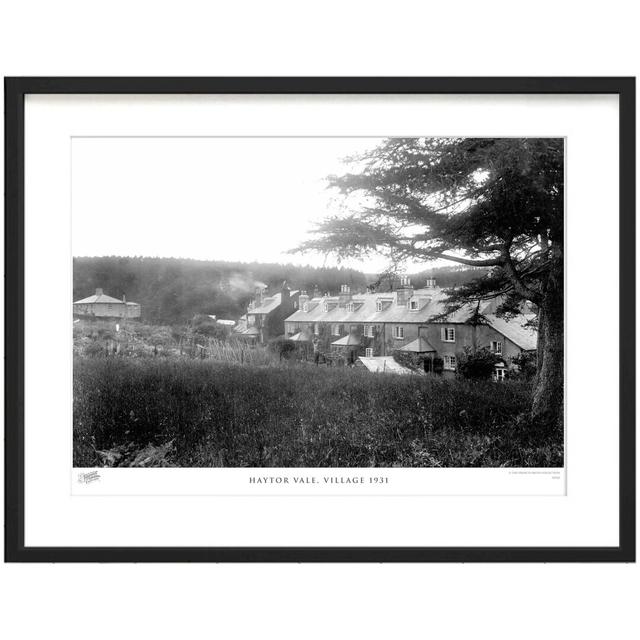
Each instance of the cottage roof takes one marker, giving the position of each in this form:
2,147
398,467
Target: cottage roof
432,307
419,345
432,304
515,330
301,336
268,304
383,364
347,341
101,298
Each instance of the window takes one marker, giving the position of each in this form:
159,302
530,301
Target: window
448,334
316,328
368,352
335,329
398,333
413,305
378,305
496,347
295,304
450,363
351,307
325,306
110,307
368,330
499,374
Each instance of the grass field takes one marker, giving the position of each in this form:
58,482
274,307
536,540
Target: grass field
211,414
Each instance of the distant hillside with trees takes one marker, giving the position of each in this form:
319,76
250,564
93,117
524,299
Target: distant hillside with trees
174,290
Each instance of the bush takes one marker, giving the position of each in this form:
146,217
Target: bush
479,365
527,365
413,361
282,346
206,326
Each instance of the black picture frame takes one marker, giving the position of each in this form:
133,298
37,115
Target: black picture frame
15,91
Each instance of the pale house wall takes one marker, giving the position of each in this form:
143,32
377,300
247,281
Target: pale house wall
107,310
484,335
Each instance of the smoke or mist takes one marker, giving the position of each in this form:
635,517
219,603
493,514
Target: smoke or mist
243,284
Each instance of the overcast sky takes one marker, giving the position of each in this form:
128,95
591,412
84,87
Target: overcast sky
240,199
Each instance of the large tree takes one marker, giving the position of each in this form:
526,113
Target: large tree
481,202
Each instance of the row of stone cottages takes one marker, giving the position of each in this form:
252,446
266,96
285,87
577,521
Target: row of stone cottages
367,328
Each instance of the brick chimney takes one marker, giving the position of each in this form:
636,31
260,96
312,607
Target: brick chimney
404,292
345,295
285,293
99,291
257,300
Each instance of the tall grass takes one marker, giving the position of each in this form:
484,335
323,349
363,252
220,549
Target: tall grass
238,352
223,414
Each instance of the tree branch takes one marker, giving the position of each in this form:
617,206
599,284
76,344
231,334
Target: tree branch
519,286
488,262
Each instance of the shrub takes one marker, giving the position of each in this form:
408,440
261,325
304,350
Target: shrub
479,365
205,326
413,361
527,365
282,346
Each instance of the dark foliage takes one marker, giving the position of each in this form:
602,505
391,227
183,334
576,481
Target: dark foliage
413,361
282,346
172,291
216,414
526,364
205,326
479,365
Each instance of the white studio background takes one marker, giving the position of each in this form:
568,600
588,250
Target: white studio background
332,601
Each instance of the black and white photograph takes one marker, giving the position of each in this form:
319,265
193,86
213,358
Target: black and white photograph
310,302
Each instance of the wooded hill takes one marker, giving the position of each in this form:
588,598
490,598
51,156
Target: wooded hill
173,290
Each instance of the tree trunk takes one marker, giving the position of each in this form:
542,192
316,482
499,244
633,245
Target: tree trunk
548,395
